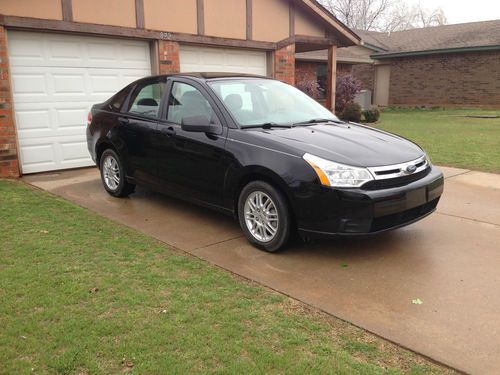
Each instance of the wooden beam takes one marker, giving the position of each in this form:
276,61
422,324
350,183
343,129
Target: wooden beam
291,18
139,14
67,10
318,41
200,16
249,20
332,78
43,25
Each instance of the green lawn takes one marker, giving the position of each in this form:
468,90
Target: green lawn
449,138
83,295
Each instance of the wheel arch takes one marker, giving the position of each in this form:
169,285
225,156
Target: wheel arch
101,147
259,173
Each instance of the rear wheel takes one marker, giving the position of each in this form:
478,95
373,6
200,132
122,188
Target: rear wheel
264,216
113,175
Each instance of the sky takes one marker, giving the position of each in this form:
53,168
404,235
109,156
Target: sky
459,11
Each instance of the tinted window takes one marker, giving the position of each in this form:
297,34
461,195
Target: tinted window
146,99
187,101
118,100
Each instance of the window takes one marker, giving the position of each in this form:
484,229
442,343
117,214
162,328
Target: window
260,101
116,102
322,76
186,101
146,99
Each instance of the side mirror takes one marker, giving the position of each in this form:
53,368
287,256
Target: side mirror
200,124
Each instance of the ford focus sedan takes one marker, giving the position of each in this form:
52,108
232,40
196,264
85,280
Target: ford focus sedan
262,151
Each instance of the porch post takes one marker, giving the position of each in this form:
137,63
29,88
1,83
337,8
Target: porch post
332,78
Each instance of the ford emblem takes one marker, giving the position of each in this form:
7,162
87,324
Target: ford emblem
411,169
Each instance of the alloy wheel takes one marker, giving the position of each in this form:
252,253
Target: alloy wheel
111,172
261,216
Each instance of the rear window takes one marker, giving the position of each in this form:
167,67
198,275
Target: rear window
117,101
146,99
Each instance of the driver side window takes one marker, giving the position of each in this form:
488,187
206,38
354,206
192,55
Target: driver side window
187,101
146,99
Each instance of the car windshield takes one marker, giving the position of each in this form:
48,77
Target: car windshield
254,102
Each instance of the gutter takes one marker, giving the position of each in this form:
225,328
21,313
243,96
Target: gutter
388,55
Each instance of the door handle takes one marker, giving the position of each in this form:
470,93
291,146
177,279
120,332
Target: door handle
170,131
123,120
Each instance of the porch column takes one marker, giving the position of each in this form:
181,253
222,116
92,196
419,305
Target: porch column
332,78
284,64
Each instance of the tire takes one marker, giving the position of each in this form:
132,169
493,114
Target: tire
113,175
265,221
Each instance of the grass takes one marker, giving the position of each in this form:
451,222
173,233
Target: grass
449,138
83,295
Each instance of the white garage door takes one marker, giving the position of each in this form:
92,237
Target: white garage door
208,59
56,78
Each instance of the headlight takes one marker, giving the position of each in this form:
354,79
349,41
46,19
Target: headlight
338,175
429,163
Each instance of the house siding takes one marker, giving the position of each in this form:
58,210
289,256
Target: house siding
467,78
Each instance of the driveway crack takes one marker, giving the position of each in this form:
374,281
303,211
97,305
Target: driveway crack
468,218
216,243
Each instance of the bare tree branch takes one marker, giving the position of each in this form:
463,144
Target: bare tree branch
384,15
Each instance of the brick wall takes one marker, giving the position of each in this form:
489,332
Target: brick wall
344,68
305,70
169,60
9,163
284,64
366,74
471,78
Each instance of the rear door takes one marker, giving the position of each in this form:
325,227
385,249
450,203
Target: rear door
138,125
192,164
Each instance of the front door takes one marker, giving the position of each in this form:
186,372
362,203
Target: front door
192,163
382,83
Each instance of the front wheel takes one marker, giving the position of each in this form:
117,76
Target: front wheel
264,216
113,175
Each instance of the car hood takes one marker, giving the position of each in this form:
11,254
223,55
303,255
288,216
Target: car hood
351,144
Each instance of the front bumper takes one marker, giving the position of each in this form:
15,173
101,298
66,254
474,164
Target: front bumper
328,211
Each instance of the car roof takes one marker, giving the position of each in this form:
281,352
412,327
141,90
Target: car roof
205,76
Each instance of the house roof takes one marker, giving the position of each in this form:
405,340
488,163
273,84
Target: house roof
437,39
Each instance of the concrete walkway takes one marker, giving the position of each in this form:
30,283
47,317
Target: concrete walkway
451,261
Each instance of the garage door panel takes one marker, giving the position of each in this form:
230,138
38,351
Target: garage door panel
69,84
55,81
54,153
209,59
59,50
46,84
39,120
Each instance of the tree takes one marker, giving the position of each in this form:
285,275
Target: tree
359,14
384,15
403,17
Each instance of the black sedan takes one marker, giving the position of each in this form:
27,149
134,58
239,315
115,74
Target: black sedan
263,151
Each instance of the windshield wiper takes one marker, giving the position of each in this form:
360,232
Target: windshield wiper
317,121
268,125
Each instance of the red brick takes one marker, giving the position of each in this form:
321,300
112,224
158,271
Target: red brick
168,57
9,164
284,64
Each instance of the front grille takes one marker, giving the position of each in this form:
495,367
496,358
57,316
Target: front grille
396,181
401,218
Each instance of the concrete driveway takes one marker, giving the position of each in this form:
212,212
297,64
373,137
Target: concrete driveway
451,261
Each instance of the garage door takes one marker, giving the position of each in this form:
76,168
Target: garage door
56,78
203,59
